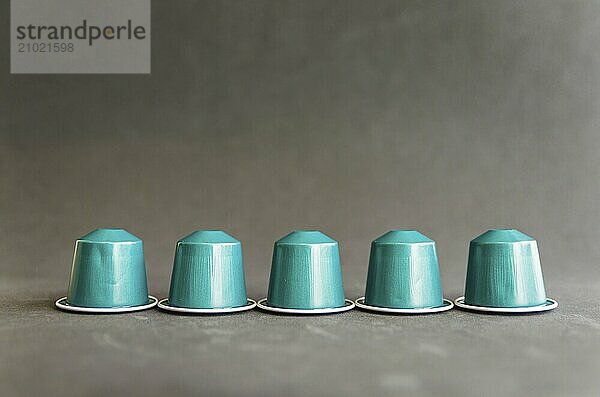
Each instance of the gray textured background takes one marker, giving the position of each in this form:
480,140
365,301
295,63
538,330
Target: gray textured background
350,117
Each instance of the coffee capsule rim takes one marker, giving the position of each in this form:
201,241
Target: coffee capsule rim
164,305
348,305
549,305
448,305
62,304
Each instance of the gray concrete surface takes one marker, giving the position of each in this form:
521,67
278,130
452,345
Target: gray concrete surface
151,353
346,116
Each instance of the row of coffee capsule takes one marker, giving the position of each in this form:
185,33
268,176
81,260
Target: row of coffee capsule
108,275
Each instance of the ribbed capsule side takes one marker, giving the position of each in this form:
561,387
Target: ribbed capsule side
403,276
504,274
306,276
107,274
208,275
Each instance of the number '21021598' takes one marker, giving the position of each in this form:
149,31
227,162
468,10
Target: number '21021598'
45,47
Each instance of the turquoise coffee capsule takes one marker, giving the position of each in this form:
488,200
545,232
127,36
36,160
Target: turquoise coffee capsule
306,276
108,274
208,275
504,274
403,275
